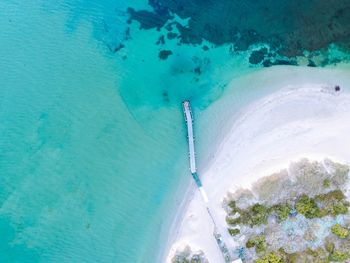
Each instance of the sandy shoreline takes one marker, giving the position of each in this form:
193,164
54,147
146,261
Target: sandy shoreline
301,117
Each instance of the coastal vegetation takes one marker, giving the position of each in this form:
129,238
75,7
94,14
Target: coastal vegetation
186,255
300,214
340,231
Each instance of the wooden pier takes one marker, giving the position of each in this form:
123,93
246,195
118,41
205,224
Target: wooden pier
192,155
190,137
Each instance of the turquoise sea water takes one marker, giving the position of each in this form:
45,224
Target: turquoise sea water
93,154
92,145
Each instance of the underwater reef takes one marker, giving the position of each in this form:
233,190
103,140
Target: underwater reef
286,29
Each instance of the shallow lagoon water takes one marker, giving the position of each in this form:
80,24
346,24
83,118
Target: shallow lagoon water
93,154
92,150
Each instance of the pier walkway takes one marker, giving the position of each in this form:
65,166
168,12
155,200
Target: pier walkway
192,155
190,139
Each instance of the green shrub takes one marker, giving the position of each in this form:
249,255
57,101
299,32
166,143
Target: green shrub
317,253
254,215
196,259
271,257
331,196
282,211
234,231
311,252
259,242
292,258
329,247
334,203
339,256
250,243
326,183
233,221
346,203
182,260
232,205
307,207
339,231
339,209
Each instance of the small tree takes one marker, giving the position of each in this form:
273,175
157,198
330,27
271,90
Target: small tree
272,257
259,242
234,231
307,207
339,256
250,243
339,231
282,211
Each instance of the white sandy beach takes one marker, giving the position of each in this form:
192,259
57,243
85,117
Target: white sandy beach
300,115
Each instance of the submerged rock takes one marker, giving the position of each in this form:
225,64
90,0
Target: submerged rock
257,56
164,54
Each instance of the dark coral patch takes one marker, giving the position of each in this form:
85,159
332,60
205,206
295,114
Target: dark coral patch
118,47
288,27
257,56
311,63
127,34
165,96
161,40
197,70
149,19
164,54
171,35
